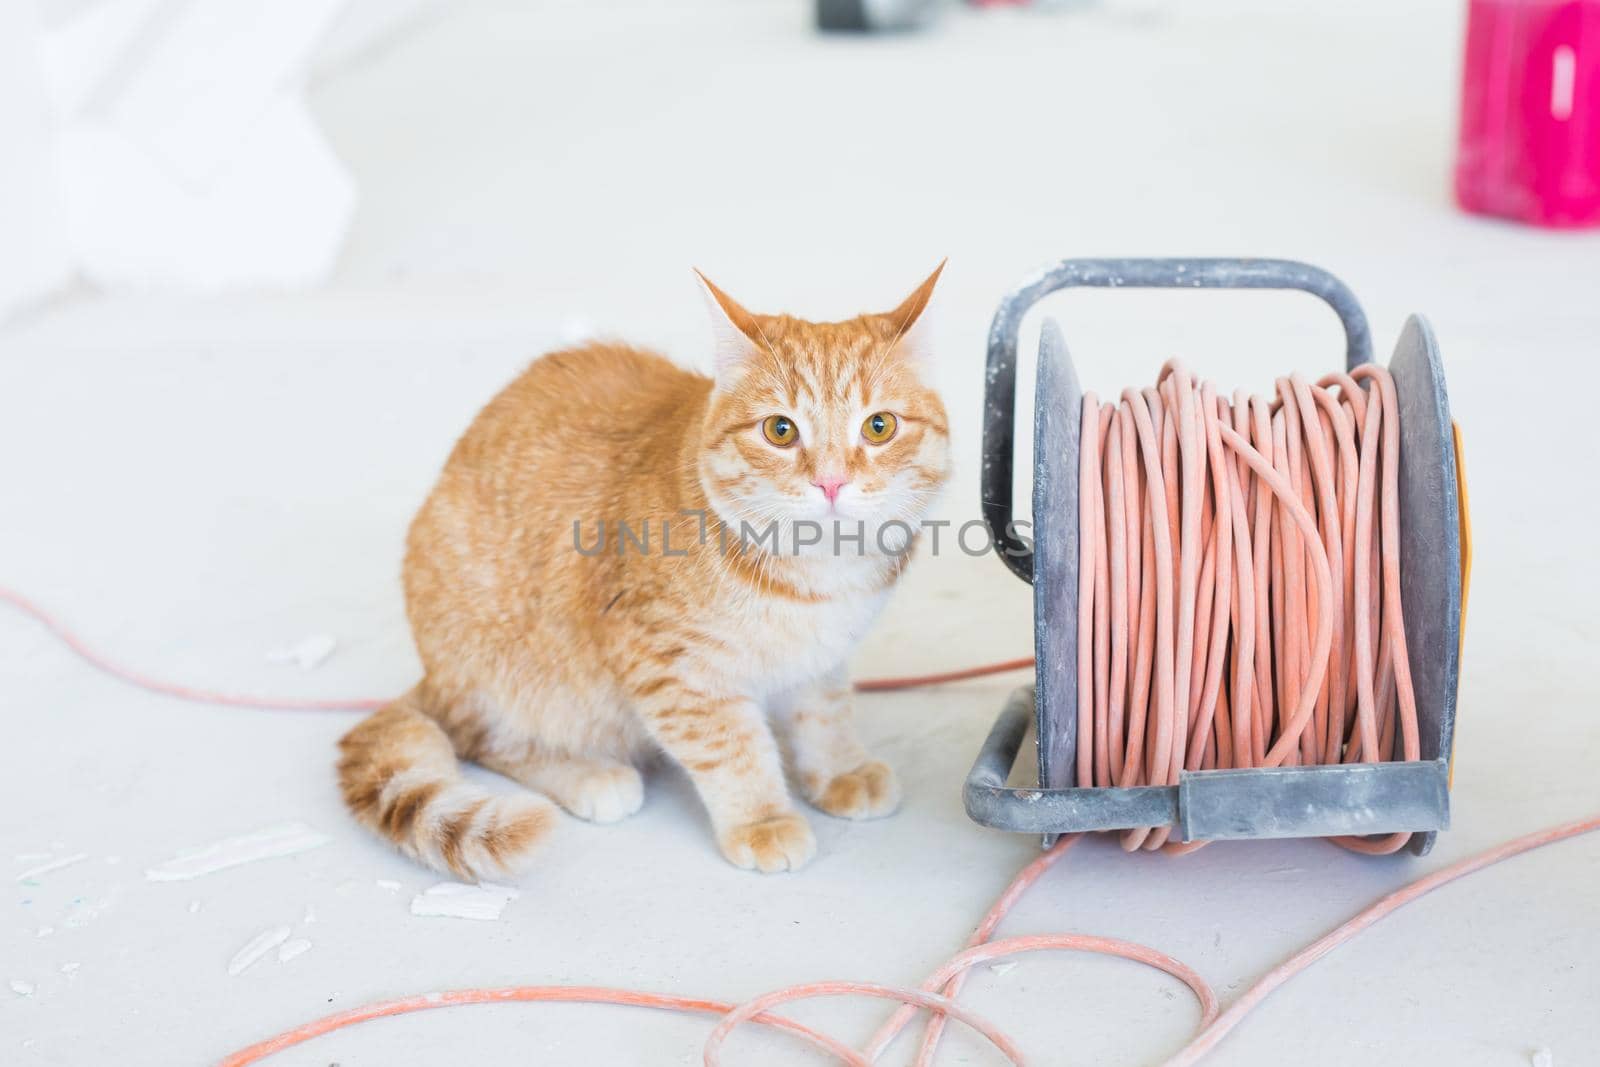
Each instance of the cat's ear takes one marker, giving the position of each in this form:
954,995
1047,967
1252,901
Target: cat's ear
910,325
738,338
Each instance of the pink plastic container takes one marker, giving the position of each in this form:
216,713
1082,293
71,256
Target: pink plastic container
1530,112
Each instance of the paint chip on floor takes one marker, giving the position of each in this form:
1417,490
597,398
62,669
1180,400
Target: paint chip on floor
575,330
306,654
284,839
390,884
21,988
290,949
1541,1057
83,912
54,864
458,900
256,947
1003,967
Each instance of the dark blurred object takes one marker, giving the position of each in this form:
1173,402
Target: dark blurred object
1529,147
866,16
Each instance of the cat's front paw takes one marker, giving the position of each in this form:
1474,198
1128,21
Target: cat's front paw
607,794
781,843
867,792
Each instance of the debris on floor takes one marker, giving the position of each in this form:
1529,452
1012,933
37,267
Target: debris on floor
306,654
256,947
290,949
54,864
269,842
84,911
576,329
458,900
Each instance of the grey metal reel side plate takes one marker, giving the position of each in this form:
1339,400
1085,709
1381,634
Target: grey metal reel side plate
1058,416
1430,543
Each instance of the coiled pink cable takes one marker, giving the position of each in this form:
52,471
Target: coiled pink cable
1228,605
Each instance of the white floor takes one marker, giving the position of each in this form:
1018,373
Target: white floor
196,483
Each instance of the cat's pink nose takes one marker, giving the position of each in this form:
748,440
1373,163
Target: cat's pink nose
830,484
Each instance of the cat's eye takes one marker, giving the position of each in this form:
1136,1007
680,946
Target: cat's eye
880,427
780,430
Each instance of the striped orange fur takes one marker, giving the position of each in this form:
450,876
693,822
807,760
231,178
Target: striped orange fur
562,651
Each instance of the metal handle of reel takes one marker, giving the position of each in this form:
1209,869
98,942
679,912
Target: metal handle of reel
1000,392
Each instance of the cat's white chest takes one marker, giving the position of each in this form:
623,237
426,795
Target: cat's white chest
800,642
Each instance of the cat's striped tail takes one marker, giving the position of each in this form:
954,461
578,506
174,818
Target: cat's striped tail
400,778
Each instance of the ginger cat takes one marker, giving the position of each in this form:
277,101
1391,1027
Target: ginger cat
561,650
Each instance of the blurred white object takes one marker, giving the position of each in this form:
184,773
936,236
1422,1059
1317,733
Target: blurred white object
79,51
209,72
188,161
165,144
273,214
363,27
36,259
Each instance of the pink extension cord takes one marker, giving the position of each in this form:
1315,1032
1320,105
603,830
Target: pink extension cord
937,993
1254,543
